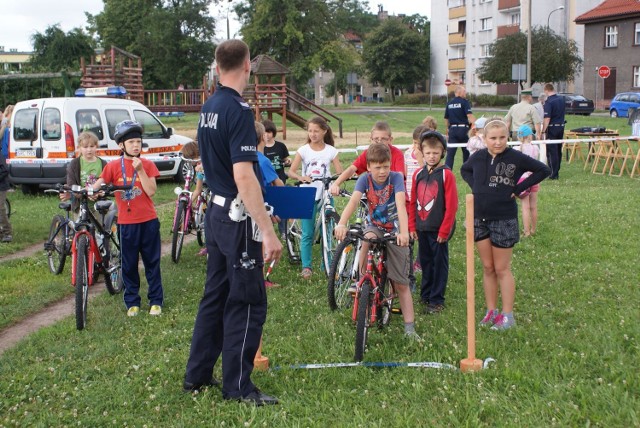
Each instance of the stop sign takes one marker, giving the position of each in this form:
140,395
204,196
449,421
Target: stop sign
447,82
604,71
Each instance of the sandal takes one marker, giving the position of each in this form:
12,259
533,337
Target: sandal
306,273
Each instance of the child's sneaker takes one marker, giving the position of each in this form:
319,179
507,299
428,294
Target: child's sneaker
353,289
133,311
416,267
202,252
155,310
490,318
504,322
413,336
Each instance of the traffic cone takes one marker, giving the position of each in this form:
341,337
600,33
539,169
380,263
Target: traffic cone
260,362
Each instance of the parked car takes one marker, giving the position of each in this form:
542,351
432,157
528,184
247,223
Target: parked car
621,102
44,133
577,104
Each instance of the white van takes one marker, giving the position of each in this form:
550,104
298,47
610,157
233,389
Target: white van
44,133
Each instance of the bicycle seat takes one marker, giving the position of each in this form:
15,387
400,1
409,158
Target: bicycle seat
103,206
66,205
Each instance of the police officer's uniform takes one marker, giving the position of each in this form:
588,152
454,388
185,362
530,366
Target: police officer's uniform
233,308
456,113
554,110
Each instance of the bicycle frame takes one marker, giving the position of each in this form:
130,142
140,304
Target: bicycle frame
87,225
372,268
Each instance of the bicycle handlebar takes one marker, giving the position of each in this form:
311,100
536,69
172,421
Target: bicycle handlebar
108,189
325,180
358,232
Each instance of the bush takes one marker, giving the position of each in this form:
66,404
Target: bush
482,100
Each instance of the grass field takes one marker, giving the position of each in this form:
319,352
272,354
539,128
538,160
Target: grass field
571,361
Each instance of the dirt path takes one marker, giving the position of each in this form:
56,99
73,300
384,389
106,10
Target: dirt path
56,311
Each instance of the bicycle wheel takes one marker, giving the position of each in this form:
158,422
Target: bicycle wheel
341,275
329,241
199,221
178,231
112,260
294,234
56,245
362,321
82,281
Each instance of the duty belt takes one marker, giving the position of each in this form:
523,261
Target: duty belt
556,124
458,125
221,201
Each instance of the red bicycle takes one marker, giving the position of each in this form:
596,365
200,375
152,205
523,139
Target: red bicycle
373,299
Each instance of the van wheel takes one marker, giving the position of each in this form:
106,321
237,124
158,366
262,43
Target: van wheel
184,168
30,189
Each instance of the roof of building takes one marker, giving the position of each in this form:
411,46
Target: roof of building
262,65
350,36
610,9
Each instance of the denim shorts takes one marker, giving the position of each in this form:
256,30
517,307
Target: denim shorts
502,233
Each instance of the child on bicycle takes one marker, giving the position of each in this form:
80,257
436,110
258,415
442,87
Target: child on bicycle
493,175
85,169
191,151
316,158
5,226
529,197
384,190
138,223
432,214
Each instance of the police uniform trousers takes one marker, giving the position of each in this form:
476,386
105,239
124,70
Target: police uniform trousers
457,135
554,151
233,308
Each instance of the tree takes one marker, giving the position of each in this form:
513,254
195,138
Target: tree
289,31
554,58
56,51
396,56
340,57
354,16
174,38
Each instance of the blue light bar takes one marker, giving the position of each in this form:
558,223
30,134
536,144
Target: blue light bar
105,91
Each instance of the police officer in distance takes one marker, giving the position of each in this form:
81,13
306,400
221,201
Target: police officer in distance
233,308
458,118
553,128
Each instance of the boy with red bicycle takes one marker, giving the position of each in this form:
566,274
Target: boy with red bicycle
385,194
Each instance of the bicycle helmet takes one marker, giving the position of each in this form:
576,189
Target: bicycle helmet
438,136
127,129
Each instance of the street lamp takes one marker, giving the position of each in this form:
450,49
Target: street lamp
549,17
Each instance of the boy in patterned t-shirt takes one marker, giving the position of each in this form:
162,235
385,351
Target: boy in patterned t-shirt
385,194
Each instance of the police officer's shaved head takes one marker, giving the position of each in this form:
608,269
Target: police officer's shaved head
231,54
460,91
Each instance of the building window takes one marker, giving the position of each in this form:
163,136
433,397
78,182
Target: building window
636,34
456,3
515,19
486,24
636,76
484,1
485,51
611,36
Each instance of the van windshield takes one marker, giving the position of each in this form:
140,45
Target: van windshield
25,124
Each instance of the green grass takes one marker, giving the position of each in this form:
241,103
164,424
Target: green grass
572,360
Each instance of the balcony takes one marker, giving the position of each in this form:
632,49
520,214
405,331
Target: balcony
457,39
507,30
508,4
457,64
457,12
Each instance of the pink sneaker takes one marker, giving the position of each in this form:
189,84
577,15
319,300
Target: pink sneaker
416,267
490,318
202,252
270,284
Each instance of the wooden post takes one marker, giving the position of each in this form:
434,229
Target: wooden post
260,362
471,363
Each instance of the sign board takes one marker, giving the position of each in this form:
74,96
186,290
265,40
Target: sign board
352,79
604,71
447,82
518,72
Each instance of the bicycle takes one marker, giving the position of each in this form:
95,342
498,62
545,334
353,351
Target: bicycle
372,301
94,247
345,268
186,218
323,229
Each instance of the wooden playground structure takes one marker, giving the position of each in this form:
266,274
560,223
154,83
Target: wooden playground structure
267,95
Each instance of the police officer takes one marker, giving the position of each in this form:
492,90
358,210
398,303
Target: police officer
458,117
233,308
553,128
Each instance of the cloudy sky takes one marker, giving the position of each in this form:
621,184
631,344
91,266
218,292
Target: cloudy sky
22,18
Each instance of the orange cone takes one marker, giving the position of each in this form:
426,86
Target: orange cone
260,362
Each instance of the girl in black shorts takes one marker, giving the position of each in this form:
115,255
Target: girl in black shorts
493,175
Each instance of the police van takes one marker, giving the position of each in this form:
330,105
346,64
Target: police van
44,133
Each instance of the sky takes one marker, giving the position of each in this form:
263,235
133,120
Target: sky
22,18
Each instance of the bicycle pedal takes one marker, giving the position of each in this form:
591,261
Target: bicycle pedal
396,310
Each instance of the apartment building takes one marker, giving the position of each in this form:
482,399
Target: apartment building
12,61
463,30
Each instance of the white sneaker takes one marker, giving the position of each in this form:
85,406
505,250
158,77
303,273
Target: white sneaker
133,311
155,310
